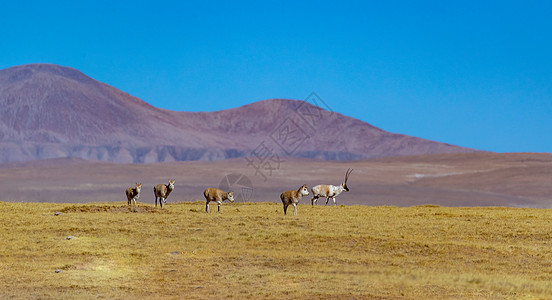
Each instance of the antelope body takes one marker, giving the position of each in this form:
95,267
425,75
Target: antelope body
293,197
216,195
133,193
330,191
162,191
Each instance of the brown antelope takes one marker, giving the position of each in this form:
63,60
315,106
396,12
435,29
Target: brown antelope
293,197
133,193
216,195
330,191
162,191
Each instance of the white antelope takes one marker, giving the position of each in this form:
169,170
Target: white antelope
162,191
133,193
216,195
330,191
293,197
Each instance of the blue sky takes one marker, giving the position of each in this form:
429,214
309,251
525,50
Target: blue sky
471,73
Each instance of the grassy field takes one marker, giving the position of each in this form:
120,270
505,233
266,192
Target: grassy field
254,251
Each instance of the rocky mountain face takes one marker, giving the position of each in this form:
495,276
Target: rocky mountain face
50,111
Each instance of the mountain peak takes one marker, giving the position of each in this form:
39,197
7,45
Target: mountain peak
26,72
278,103
50,111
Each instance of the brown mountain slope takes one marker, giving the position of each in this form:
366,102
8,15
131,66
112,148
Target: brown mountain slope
326,134
49,111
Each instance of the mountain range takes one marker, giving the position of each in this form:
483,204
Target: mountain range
51,111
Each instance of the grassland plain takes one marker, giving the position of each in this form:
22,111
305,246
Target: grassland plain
254,251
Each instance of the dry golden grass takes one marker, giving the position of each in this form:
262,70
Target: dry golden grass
254,251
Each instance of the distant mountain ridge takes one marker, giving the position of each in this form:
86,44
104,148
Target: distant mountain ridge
50,111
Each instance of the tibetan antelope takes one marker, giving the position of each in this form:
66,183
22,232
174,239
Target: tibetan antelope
330,191
133,193
216,195
162,191
293,197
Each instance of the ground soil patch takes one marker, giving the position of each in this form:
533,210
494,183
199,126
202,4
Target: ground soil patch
112,209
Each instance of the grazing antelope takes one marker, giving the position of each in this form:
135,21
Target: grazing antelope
133,193
330,191
216,195
293,197
162,191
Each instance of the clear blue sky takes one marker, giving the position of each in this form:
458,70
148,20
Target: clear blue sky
471,73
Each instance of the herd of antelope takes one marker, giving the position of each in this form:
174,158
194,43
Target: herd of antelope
291,197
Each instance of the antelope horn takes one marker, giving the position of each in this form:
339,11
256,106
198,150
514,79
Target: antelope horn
349,171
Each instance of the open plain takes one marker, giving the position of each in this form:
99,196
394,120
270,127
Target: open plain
450,226
459,179
253,251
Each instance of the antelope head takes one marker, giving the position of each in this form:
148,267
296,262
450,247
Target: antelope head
138,187
171,184
344,184
230,196
303,191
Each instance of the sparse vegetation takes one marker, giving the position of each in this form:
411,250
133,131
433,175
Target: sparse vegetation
254,251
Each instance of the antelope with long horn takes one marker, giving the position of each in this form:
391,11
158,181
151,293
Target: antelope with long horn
330,191
162,191
133,193
293,197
